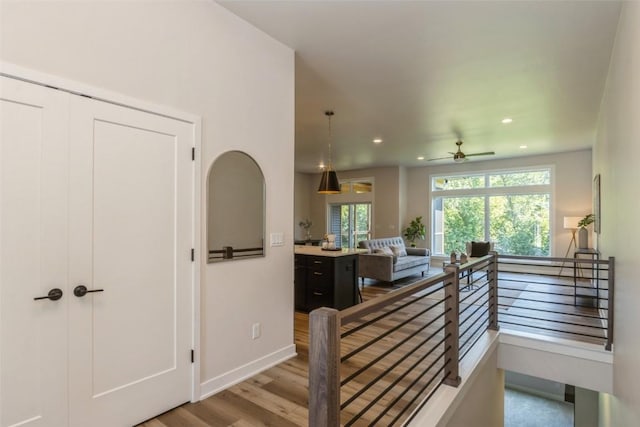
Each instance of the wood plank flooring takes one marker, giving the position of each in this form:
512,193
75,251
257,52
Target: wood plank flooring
546,305
276,397
279,396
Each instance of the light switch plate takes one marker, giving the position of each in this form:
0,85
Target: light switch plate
277,239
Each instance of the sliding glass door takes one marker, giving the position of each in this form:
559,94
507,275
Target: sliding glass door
350,221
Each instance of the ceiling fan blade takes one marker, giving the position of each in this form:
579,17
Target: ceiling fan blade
486,153
439,158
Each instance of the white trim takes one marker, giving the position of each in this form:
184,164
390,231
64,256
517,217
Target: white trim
580,350
583,365
237,375
14,71
599,363
200,260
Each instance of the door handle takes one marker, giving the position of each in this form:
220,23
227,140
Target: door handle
81,290
54,295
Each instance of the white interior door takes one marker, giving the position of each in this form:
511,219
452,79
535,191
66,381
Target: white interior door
33,258
131,234
102,196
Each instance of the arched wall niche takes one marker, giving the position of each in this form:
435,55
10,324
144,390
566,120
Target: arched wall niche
235,208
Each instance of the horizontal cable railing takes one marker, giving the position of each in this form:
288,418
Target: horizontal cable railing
566,297
378,362
477,299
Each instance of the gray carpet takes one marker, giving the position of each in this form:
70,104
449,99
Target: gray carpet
528,410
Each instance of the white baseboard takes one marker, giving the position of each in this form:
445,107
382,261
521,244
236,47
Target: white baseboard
235,376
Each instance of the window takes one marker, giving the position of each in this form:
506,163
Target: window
510,208
356,186
350,221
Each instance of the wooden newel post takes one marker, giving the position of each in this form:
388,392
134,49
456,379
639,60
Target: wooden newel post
452,327
493,292
324,368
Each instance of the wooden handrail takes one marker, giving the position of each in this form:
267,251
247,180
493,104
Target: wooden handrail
358,311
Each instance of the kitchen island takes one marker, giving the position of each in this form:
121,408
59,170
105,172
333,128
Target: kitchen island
325,278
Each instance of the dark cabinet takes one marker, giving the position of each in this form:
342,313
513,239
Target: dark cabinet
325,281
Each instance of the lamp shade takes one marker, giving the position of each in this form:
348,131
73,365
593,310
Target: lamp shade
329,183
571,222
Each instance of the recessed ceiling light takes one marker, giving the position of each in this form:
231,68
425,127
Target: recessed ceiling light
507,120
523,146
377,141
321,165
420,158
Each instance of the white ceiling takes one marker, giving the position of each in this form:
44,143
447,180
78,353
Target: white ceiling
420,74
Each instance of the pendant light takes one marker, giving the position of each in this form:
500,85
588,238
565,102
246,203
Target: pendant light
329,183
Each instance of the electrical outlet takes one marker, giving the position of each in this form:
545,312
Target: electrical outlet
255,331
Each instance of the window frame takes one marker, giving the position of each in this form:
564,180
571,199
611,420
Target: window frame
487,192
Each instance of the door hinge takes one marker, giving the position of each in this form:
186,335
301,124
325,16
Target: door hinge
193,153
193,254
193,356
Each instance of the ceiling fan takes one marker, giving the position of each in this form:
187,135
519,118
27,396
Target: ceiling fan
460,157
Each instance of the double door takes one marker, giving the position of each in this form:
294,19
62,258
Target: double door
96,275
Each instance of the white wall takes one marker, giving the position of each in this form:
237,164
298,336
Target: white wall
483,404
197,57
302,207
615,159
572,195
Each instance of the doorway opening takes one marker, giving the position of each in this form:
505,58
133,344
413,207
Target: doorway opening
350,221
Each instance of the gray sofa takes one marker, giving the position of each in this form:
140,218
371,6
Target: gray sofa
395,262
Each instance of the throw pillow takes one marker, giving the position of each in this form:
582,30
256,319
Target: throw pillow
385,250
398,250
479,249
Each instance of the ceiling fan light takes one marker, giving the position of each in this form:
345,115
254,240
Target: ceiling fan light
459,159
329,183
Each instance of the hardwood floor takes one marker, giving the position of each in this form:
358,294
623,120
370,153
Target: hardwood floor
279,396
276,397
546,305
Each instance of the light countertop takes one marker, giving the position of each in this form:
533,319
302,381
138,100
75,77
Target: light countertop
317,251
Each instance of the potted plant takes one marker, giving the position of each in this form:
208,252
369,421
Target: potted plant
415,230
583,234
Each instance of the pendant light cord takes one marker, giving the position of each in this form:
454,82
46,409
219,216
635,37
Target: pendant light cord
329,114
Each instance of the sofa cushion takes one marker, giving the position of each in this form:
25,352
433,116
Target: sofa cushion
385,251
407,262
398,250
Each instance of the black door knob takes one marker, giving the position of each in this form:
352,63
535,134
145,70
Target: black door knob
54,295
81,290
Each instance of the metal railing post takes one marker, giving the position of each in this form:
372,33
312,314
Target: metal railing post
324,368
611,295
452,326
493,292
